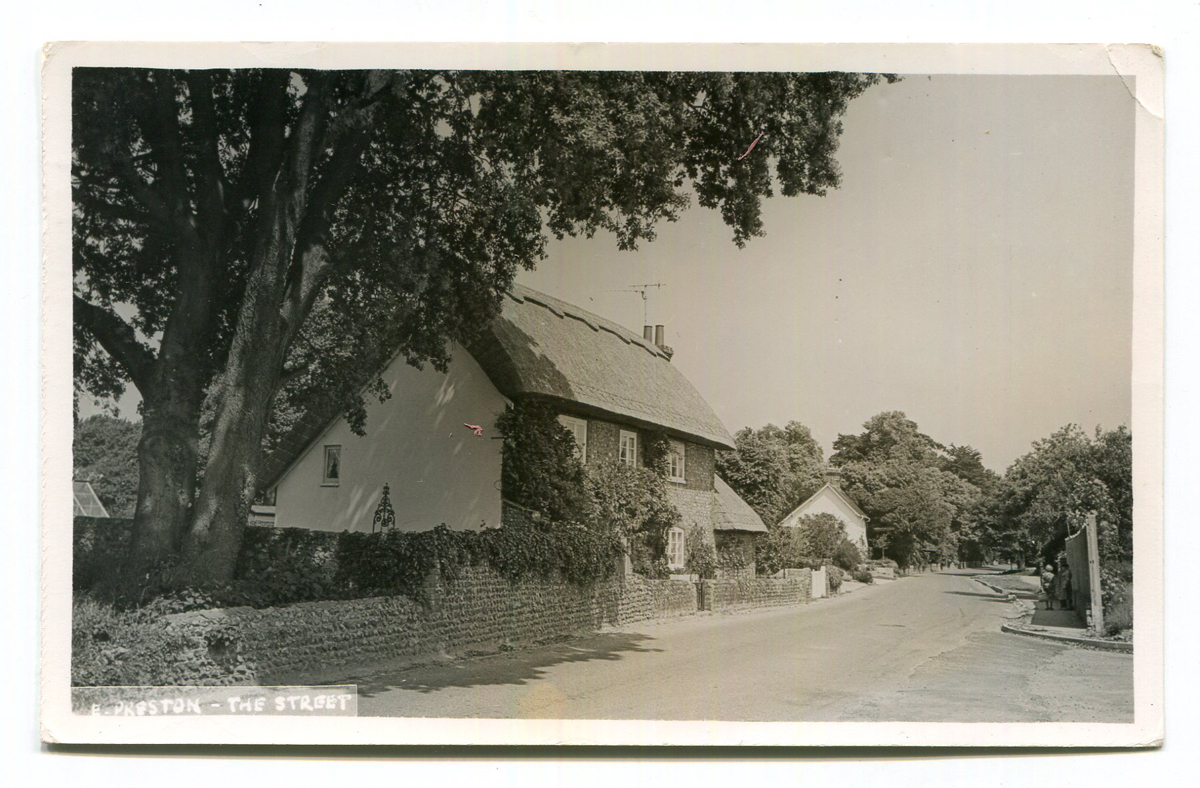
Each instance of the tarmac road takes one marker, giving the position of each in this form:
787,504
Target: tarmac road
924,648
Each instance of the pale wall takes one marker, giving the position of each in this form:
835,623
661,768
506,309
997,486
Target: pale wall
827,502
439,472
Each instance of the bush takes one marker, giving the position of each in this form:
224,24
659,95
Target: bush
835,576
847,555
1116,593
862,576
540,466
702,559
784,548
110,647
280,565
734,555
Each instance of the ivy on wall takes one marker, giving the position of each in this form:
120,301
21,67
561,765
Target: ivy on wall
542,472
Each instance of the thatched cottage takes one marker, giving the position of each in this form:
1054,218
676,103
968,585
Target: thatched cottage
610,385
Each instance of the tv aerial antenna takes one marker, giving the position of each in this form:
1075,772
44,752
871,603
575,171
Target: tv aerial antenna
642,290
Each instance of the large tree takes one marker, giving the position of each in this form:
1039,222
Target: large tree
216,211
1047,493
773,469
917,492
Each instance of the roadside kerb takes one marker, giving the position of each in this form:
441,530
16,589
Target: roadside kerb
1107,645
1019,629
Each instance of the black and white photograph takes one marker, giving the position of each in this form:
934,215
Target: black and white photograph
527,394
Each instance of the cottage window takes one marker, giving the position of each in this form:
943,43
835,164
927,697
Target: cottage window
332,475
676,548
628,454
577,428
678,460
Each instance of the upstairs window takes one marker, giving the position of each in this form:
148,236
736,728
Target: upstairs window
678,458
578,428
628,449
332,475
676,548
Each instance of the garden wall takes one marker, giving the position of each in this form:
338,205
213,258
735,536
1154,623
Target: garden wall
479,611
740,593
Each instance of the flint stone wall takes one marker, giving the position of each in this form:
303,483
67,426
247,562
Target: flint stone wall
479,612
741,593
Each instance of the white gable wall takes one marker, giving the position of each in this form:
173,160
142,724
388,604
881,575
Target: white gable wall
827,501
437,469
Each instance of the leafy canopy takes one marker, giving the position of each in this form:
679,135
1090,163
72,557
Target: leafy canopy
426,190
105,454
773,469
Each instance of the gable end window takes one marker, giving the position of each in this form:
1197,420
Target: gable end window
577,428
678,459
628,448
332,474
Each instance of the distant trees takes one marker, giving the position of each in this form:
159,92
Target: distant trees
915,490
1047,493
921,494
773,468
105,454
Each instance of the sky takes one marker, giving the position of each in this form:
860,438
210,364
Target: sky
974,270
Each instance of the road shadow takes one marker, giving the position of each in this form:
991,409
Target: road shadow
1057,618
518,667
978,595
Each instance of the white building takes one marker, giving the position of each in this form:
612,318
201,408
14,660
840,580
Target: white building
831,500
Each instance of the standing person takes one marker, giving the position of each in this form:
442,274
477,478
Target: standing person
1063,581
1048,586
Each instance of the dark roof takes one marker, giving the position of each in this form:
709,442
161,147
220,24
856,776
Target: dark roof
731,513
542,347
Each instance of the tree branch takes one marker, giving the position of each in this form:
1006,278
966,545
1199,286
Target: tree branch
308,133
268,121
119,340
155,205
211,193
167,139
348,136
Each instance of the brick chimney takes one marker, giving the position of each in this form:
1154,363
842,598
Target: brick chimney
833,475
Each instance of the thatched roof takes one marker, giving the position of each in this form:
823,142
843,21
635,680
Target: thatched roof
546,348
542,347
731,513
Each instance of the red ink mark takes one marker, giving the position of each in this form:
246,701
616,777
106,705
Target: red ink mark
474,428
756,139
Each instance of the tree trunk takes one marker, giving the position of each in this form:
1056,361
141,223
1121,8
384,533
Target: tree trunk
248,385
169,449
230,473
168,454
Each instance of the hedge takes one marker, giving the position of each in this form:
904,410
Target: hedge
279,566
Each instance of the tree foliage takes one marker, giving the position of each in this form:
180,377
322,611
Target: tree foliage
773,469
1047,493
240,232
105,454
917,493
540,465
542,471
